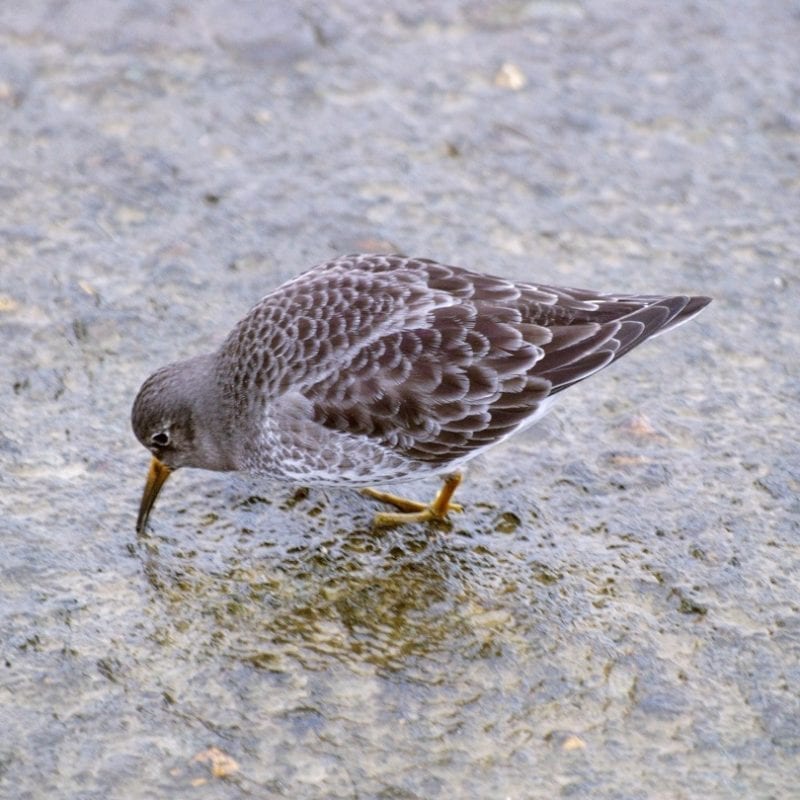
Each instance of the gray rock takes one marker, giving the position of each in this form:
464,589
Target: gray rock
614,613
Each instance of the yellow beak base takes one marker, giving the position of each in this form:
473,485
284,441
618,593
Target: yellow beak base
156,478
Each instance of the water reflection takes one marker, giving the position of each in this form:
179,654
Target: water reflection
282,584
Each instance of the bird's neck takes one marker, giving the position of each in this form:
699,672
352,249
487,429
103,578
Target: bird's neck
210,410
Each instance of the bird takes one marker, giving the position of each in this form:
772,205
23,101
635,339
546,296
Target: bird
382,369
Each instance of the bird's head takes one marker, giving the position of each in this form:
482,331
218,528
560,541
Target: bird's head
174,417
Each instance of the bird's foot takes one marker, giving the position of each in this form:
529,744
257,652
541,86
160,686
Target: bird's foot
413,510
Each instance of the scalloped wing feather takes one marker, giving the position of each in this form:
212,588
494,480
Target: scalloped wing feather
436,362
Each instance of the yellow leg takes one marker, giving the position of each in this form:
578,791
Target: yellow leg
414,511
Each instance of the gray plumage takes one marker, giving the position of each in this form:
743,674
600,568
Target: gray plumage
374,368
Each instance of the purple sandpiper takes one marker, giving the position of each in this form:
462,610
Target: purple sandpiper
384,369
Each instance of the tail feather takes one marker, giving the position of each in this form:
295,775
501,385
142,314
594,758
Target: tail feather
567,362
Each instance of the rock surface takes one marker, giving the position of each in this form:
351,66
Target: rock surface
615,615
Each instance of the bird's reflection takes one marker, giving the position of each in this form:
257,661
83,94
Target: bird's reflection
304,579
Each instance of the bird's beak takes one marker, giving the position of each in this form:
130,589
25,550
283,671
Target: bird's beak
156,478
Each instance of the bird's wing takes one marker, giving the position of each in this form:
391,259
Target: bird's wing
465,358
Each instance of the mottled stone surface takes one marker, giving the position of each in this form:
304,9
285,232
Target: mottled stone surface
615,615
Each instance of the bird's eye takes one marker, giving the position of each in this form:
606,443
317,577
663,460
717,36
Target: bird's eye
160,439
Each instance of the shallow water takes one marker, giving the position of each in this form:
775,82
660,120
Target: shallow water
614,615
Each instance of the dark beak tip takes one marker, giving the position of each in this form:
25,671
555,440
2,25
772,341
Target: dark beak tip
141,521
